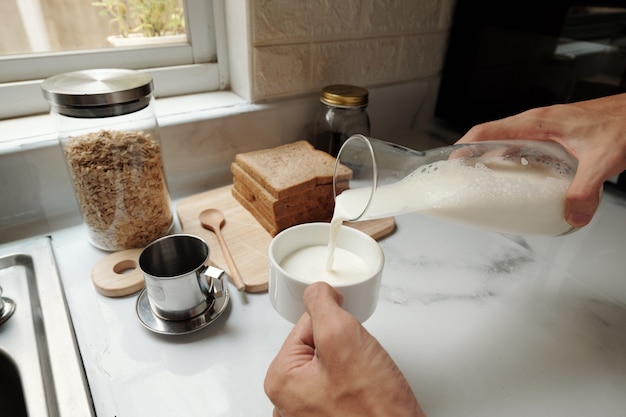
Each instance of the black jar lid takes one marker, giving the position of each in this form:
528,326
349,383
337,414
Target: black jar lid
98,92
344,95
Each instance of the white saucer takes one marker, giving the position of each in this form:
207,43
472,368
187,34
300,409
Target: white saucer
176,327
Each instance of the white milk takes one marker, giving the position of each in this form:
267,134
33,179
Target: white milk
510,199
507,198
496,194
307,264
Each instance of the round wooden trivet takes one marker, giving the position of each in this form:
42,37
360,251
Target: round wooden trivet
118,274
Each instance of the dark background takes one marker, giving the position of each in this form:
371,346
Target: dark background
505,57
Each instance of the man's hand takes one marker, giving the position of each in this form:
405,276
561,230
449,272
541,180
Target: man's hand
330,365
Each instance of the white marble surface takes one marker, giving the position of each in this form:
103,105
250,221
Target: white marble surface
481,324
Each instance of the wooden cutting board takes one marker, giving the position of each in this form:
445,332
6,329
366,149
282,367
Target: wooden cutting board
247,240
118,275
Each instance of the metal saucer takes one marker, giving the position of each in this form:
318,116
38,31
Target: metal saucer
170,327
8,307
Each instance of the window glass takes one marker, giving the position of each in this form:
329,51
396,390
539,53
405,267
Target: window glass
36,26
174,40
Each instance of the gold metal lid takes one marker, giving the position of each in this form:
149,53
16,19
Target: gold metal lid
344,95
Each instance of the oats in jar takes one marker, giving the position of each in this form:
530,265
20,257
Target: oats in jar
120,186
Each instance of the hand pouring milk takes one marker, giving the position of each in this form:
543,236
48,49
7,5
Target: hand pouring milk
517,195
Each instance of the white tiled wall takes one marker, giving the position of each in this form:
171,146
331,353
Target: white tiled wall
299,46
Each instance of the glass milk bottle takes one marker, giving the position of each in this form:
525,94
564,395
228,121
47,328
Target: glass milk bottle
110,139
509,186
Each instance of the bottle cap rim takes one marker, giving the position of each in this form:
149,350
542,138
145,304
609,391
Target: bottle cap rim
344,95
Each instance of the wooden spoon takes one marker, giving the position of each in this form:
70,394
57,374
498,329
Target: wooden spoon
213,220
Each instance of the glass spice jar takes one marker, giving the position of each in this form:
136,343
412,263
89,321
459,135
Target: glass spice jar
109,135
343,114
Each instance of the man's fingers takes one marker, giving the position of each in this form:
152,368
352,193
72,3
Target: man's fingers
583,198
320,298
302,332
334,328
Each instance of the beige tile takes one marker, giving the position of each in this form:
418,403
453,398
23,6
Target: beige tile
421,55
402,16
420,16
332,19
299,46
280,21
361,62
281,70
447,14
381,17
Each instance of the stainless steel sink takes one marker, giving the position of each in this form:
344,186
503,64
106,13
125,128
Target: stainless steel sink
41,372
11,394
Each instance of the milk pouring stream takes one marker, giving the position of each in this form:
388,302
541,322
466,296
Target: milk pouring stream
516,187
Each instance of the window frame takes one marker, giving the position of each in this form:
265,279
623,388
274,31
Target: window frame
199,65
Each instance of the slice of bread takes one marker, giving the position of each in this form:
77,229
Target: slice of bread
320,212
273,227
301,205
267,225
319,200
287,185
290,169
300,212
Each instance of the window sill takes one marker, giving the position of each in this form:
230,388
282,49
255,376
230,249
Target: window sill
38,130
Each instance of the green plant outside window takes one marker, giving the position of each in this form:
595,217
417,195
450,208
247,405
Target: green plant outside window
148,17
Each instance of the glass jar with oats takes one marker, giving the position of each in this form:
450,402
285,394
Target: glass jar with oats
110,139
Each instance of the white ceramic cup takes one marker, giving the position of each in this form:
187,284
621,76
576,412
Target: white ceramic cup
360,297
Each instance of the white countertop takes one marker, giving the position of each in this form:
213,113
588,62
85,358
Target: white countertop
481,324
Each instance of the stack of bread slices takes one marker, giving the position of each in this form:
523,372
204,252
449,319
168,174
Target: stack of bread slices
287,185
